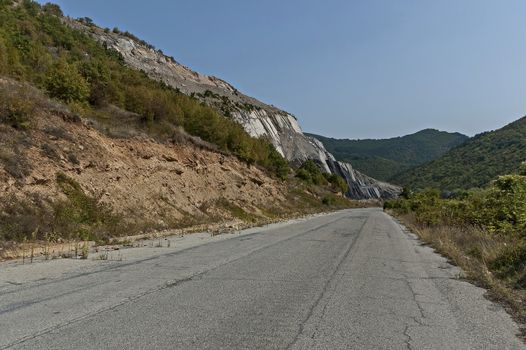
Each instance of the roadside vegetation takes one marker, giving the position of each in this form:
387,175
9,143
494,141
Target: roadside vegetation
77,217
483,231
311,175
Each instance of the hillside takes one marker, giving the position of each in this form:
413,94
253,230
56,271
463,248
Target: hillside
384,158
95,70
64,177
91,148
474,163
259,119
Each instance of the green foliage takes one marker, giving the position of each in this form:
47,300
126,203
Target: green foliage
65,82
502,207
499,208
384,158
82,215
37,47
337,182
304,175
236,211
406,193
475,163
498,212
79,216
335,201
276,163
52,9
511,263
425,205
310,172
327,200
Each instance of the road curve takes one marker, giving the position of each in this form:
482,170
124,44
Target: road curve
348,280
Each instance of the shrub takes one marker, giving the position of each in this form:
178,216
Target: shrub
72,157
52,9
23,219
337,182
327,200
510,261
276,163
304,175
83,215
310,172
65,82
79,216
50,151
499,208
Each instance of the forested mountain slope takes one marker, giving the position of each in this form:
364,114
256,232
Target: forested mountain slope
474,163
384,158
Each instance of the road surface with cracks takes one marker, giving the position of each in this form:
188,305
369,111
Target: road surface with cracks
351,279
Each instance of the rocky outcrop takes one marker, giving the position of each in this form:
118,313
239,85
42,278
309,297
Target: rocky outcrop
258,118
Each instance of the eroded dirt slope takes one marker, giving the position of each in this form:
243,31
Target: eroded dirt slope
137,177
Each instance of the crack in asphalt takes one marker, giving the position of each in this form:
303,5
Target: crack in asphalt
325,289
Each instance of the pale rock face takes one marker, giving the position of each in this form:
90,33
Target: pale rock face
281,128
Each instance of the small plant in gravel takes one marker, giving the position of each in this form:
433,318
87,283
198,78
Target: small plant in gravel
84,251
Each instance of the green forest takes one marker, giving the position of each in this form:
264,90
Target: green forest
383,159
473,164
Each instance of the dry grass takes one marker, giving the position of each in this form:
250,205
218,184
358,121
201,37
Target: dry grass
476,252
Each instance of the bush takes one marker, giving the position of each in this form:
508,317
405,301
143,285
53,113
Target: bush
304,175
499,208
337,182
78,217
50,152
82,216
65,82
510,262
310,172
276,163
327,200
52,9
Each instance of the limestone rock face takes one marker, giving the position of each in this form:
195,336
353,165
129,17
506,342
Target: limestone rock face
258,118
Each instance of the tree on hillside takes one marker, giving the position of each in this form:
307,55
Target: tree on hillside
65,82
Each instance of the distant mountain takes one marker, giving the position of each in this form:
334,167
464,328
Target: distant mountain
385,158
474,163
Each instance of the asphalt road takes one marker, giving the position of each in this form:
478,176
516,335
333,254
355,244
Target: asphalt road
348,280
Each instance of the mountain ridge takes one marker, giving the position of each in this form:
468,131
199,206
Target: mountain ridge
385,158
474,163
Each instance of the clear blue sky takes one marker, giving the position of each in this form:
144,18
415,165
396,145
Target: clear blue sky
348,69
